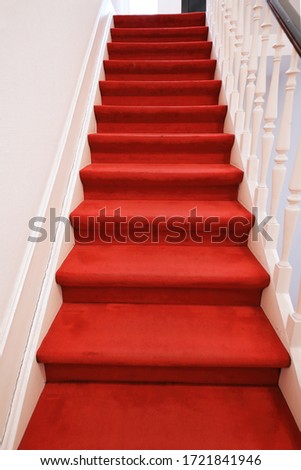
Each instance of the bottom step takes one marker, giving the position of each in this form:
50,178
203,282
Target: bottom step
99,416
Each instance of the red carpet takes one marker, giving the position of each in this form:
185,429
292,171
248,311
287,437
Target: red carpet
161,342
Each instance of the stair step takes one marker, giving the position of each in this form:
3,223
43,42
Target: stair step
173,70
166,417
164,181
158,50
161,148
162,343
160,119
215,275
223,222
143,93
190,33
160,21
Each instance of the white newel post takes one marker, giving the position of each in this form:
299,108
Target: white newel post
260,90
283,270
270,116
282,147
240,114
250,90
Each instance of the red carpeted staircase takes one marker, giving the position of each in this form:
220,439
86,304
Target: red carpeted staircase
161,342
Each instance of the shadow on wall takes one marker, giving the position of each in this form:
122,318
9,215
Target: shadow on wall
193,5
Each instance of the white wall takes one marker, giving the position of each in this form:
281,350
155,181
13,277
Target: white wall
150,7
44,46
138,7
296,4
121,6
170,6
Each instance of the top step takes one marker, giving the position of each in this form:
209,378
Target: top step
159,21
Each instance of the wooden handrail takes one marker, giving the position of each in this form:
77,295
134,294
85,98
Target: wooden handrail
289,20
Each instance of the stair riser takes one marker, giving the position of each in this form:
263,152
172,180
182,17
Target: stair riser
120,54
150,190
159,21
157,127
160,150
93,235
138,36
158,120
201,376
129,75
101,156
139,93
172,51
176,100
127,70
172,296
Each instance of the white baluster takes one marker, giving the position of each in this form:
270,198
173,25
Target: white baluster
270,116
211,20
240,114
215,24
221,43
217,14
209,13
225,67
250,90
232,30
260,89
283,270
237,57
297,313
282,147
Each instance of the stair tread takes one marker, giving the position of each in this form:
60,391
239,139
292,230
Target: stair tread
218,173
162,336
123,416
218,140
163,266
